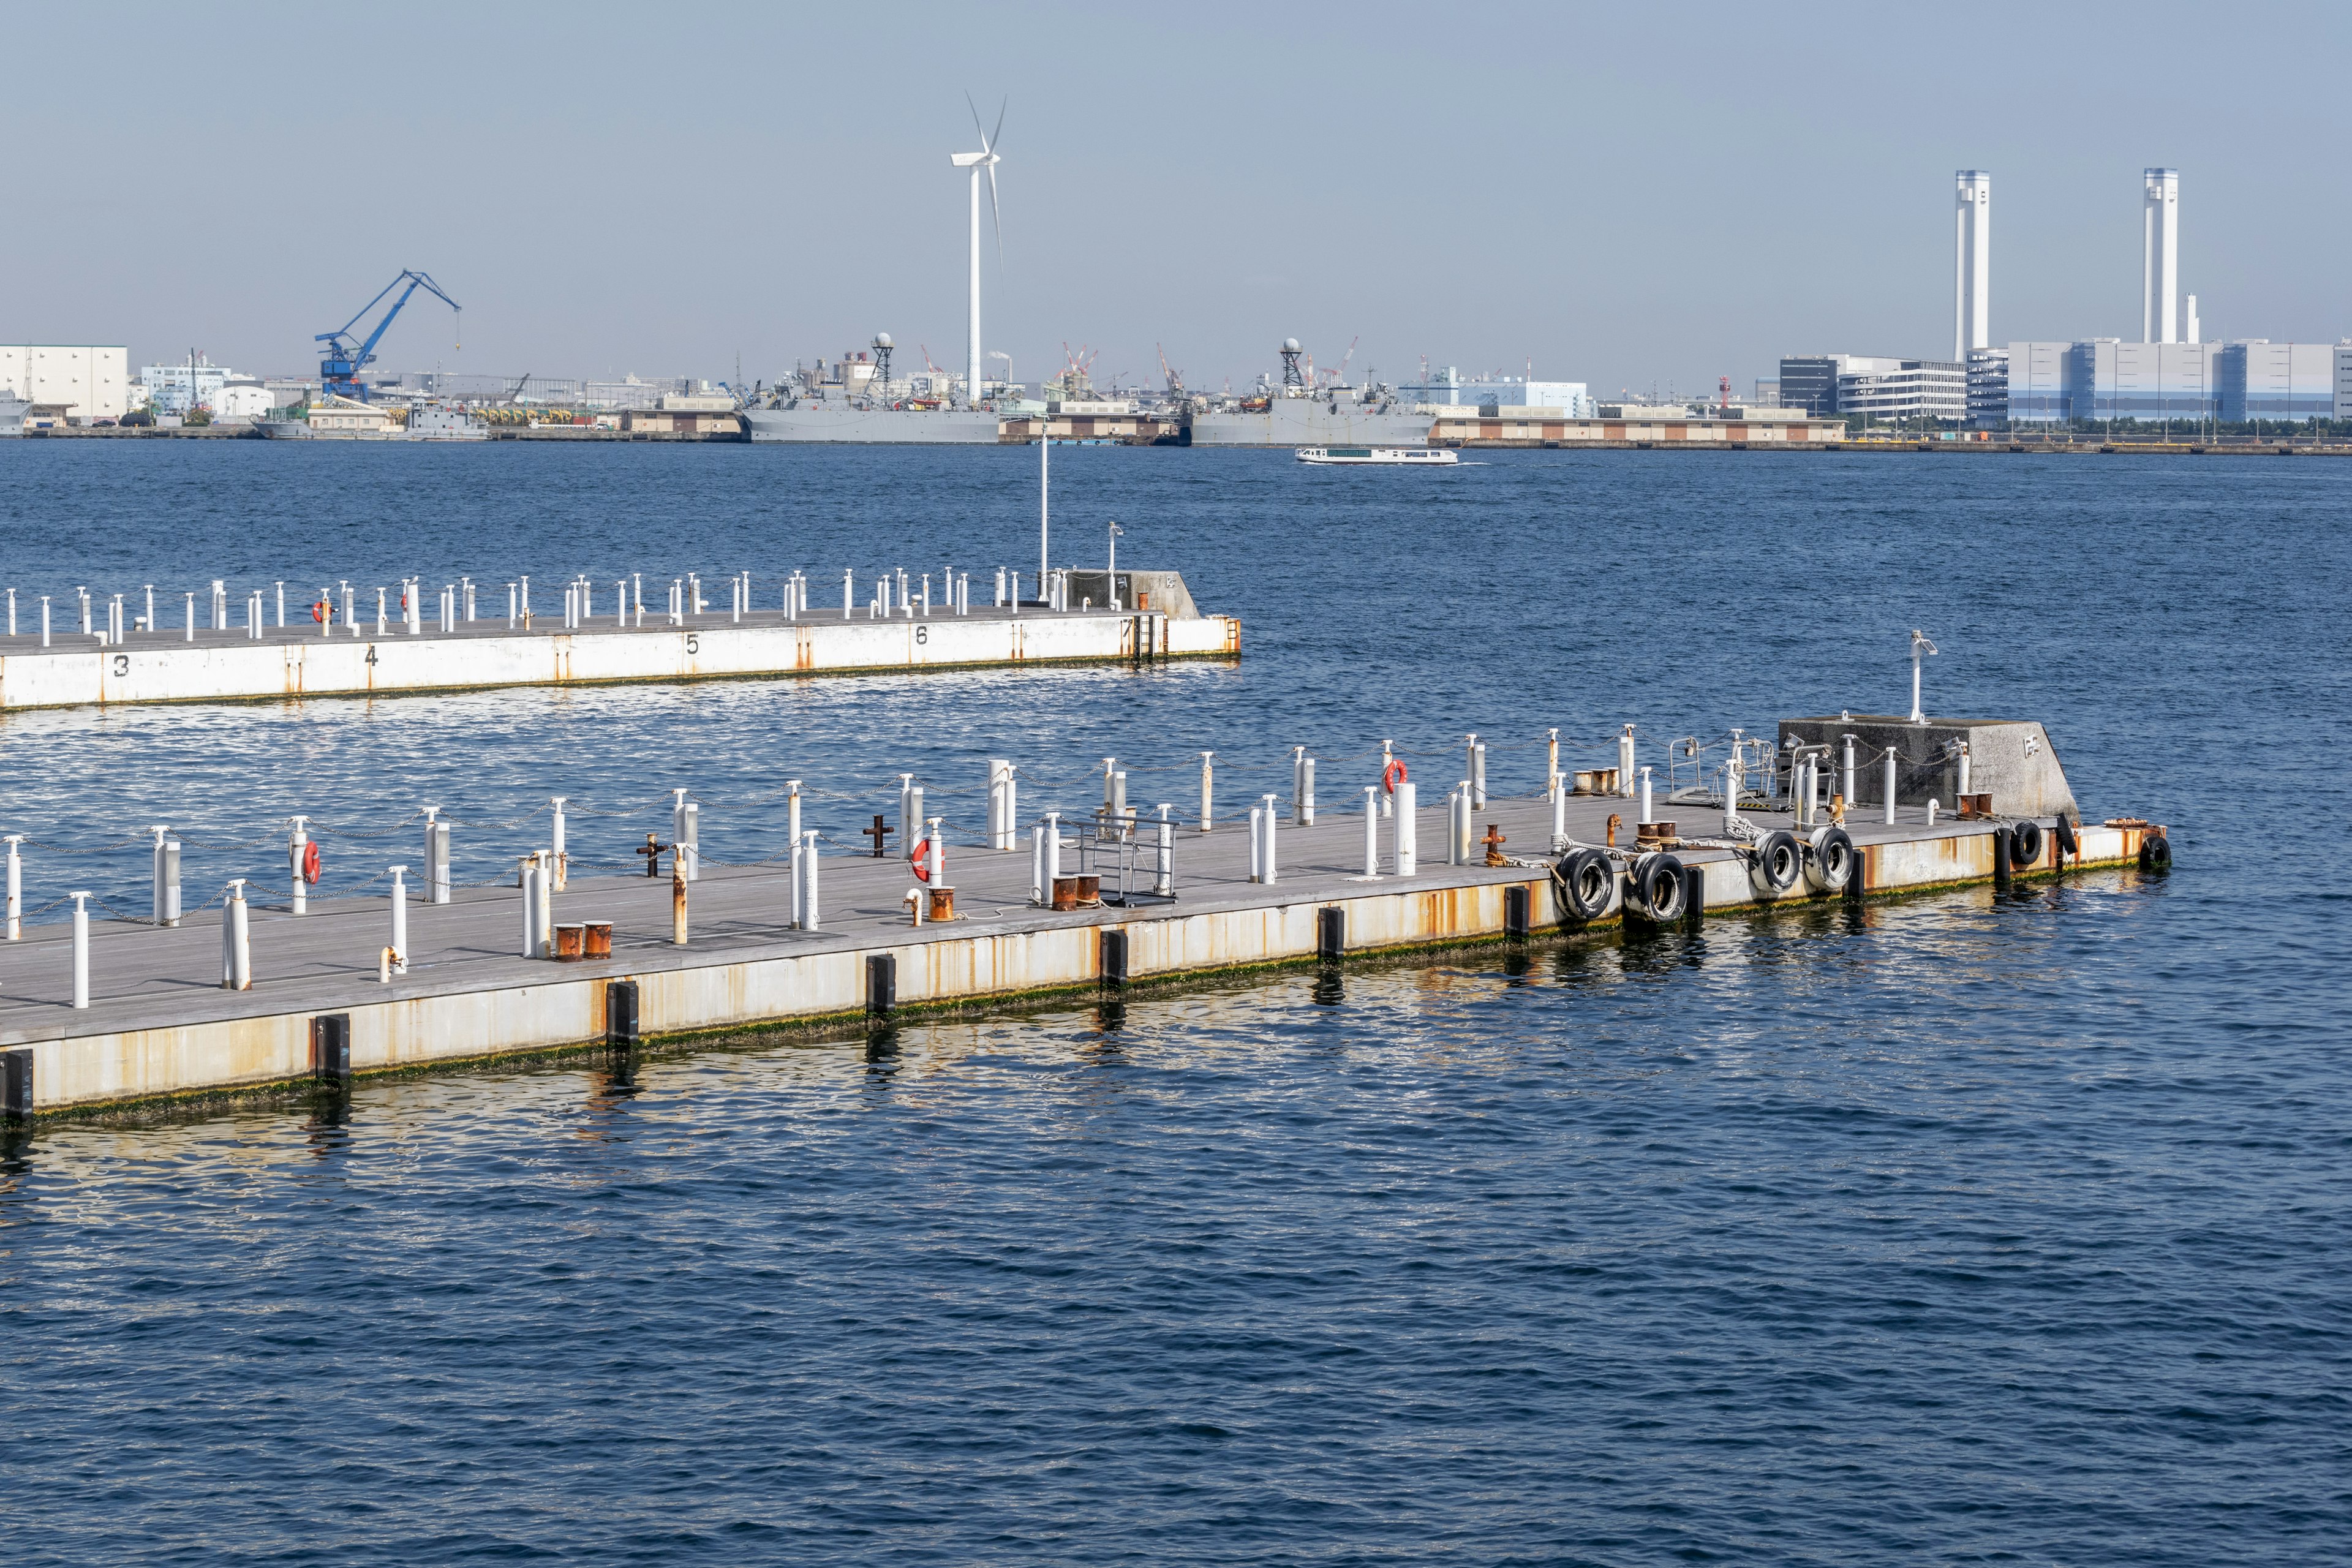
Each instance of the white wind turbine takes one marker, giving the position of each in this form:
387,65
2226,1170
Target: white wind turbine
983,159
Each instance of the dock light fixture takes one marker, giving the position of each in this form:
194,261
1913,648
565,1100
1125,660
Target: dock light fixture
1920,648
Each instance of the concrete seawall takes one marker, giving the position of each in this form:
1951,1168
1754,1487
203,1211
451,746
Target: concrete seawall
229,665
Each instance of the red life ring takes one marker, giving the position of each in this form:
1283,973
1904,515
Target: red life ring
310,861
320,611
922,859
1393,775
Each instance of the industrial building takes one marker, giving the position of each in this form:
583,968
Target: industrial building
2237,382
1874,388
180,388
86,382
1446,387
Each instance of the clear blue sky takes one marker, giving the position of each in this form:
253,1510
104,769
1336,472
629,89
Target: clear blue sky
1627,195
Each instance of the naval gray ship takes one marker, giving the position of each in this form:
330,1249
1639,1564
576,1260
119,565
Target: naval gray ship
1340,419
811,419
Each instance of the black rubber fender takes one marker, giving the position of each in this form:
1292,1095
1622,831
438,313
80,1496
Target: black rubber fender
1654,887
1584,878
2068,845
2025,844
2156,853
1830,859
1777,861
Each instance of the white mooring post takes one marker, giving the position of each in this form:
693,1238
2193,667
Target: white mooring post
45,620
1298,786
1552,781
526,881
1559,815
1004,811
935,862
1052,852
379,612
1964,768
15,887
297,844
1890,786
81,949
1405,841
167,877
190,635
1845,784
1625,761
237,940
1371,832
1208,794
12,611
686,832
1645,818
555,834
436,857
1730,797
1038,885
799,872
810,919
1273,818
399,921
1478,773
1163,876
1256,845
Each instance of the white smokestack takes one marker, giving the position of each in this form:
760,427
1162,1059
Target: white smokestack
2161,257
1972,263
2192,321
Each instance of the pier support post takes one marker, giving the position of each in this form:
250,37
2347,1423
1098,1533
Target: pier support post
1857,879
1516,912
331,1048
16,1084
2000,866
881,985
1112,956
1371,832
621,1013
1693,898
1402,836
81,949
1890,786
1331,933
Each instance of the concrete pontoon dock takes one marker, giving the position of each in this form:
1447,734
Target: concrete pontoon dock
161,1026
231,664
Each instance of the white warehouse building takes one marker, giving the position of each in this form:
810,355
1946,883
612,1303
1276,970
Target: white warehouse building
87,381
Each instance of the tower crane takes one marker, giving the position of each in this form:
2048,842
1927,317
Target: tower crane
342,361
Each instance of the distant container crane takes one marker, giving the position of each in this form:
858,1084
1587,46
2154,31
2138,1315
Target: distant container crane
342,360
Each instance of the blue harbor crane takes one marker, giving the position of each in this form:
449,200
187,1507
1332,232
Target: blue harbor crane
341,363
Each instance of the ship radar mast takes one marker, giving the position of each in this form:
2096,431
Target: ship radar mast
1290,374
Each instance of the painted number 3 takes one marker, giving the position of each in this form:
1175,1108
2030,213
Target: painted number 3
121,664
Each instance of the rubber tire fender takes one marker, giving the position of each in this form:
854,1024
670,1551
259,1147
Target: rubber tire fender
1830,859
1778,861
2068,845
2156,853
1655,885
2025,844
1584,879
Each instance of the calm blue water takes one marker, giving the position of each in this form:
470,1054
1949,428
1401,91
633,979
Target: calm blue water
1968,1231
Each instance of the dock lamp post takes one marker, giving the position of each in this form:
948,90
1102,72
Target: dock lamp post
1920,648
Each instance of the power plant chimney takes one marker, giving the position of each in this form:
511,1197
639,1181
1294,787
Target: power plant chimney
1972,264
2160,320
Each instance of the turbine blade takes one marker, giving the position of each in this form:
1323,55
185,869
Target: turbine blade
996,135
975,120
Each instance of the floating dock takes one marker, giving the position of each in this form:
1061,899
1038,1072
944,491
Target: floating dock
230,663
161,1026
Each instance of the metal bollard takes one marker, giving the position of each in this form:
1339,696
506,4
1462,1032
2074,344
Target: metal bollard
190,635
399,921
15,888
281,606
849,592
81,949
1371,832
935,862
1402,837
686,832
1208,778
1002,817
1552,762
1163,875
1730,797
562,865
1039,888
1052,852
1625,761
1846,782
1559,817
237,940
678,896
1272,828
799,871
1964,769
793,810
1388,795
1305,815
1256,847
1890,786
166,878
1647,816
1478,773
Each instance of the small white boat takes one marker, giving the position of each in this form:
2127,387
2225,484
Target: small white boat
1399,457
